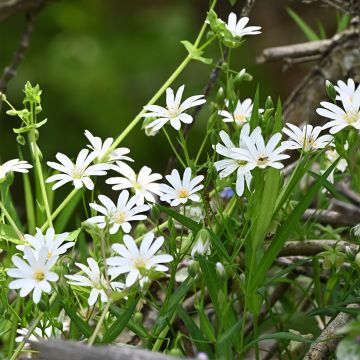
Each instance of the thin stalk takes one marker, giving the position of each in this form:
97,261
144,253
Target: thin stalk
31,330
11,221
99,324
183,145
173,148
59,208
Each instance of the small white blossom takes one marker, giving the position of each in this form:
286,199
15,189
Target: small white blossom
34,274
56,245
78,173
332,155
14,165
181,190
239,29
136,262
341,118
241,114
174,110
348,89
143,183
232,162
39,333
201,247
119,215
306,138
261,155
93,279
101,148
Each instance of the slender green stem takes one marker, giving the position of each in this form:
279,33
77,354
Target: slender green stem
183,145
14,325
31,330
11,221
173,148
59,208
99,324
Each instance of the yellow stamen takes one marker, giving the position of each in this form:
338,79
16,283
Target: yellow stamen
39,276
183,193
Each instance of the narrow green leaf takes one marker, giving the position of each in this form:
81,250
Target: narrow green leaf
306,29
194,331
80,323
119,325
254,119
190,224
287,228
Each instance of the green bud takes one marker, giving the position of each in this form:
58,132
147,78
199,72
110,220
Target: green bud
20,140
224,66
193,269
140,230
12,112
176,352
36,133
209,34
148,131
357,259
330,90
269,104
214,137
220,270
2,96
138,317
42,306
220,96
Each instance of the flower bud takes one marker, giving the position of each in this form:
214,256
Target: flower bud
193,269
138,317
269,104
220,270
2,96
140,230
202,243
357,259
20,140
330,90
176,352
220,95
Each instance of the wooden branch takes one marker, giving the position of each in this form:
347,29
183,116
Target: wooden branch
67,350
349,6
326,343
294,51
353,196
332,217
12,7
313,247
339,61
10,71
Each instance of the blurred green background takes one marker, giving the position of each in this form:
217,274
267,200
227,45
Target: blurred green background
98,62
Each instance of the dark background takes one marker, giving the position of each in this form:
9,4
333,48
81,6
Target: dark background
98,62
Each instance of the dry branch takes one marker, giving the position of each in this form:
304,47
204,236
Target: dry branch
332,217
12,7
349,6
326,343
66,350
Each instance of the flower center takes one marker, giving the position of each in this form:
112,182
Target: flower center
139,263
183,193
262,160
351,117
174,111
119,217
242,162
39,275
137,186
49,254
240,118
77,173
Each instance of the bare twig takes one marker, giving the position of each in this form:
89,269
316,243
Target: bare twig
12,7
327,341
332,217
349,6
10,71
350,194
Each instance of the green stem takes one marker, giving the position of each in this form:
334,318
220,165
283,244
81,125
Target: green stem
59,209
11,221
173,148
31,330
99,324
183,145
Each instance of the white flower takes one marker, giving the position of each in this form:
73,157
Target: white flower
347,89
42,332
183,190
241,114
306,138
174,111
79,173
332,155
341,118
15,165
261,155
54,243
237,28
34,274
93,279
201,248
101,148
143,183
227,166
119,215
137,262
